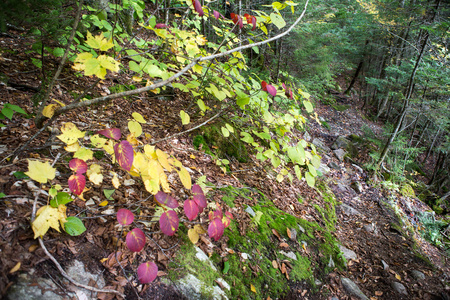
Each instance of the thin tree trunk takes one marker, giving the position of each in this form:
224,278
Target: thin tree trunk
431,146
358,69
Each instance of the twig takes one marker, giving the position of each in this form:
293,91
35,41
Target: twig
63,273
189,130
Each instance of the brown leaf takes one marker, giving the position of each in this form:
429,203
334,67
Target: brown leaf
276,234
378,293
289,233
274,264
284,245
283,268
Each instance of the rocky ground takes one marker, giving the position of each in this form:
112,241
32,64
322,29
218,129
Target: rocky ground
386,258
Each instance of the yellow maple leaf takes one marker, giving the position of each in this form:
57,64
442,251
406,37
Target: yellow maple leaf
47,217
73,147
84,154
40,171
99,42
49,110
70,133
97,141
94,174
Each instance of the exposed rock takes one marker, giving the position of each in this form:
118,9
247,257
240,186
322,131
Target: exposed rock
29,287
352,288
323,169
340,154
331,263
77,271
250,211
192,288
223,283
293,234
245,256
341,142
417,275
347,253
399,288
348,210
306,136
289,254
371,228
334,165
385,265
357,186
334,298
203,257
320,144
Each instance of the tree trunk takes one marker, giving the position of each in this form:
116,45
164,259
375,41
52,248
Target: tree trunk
358,69
431,146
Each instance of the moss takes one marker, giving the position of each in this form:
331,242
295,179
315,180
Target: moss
340,107
407,191
325,124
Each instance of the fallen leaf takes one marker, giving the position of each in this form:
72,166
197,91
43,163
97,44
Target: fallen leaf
378,293
283,268
276,234
398,277
252,287
193,235
274,264
32,248
15,268
284,245
289,233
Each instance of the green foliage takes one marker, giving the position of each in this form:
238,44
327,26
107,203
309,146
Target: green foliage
432,228
8,112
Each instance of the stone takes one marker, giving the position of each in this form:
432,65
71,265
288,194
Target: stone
78,273
223,283
399,288
29,287
369,228
334,298
385,265
306,136
347,253
351,288
301,228
357,186
334,165
320,144
323,168
250,211
417,275
203,257
348,210
245,256
293,234
317,282
340,154
341,142
289,254
193,288
331,263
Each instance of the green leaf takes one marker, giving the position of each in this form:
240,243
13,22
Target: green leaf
226,267
108,193
153,71
8,112
277,20
185,119
247,137
201,105
298,172
61,198
74,226
20,175
242,98
308,106
2,195
15,108
134,66
225,132
310,180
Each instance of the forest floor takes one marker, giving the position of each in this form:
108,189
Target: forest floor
374,233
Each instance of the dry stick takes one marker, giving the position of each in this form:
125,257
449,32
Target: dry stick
177,75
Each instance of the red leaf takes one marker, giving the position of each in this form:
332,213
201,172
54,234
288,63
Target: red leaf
248,17
268,88
191,209
77,165
111,133
124,154
217,214
161,25
237,19
229,215
216,14
147,272
253,23
284,86
77,182
215,229
168,222
264,85
163,198
125,217
198,8
199,196
226,222
135,240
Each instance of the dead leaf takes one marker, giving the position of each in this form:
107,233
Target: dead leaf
378,293
252,287
275,264
289,233
283,268
284,245
16,268
276,234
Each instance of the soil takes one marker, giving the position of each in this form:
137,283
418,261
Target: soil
17,244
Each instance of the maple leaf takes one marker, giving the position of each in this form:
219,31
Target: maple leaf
99,42
39,171
47,217
95,174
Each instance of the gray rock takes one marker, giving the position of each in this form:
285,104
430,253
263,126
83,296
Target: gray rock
348,210
352,288
371,228
341,142
306,136
320,144
399,288
385,265
77,271
357,186
334,298
203,257
323,168
340,154
250,211
223,283
417,275
334,165
347,253
331,263
317,282
192,288
301,228
29,287
289,254
293,234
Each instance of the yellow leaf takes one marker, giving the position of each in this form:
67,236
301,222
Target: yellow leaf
73,147
94,174
135,128
185,119
104,203
99,42
197,69
97,141
41,172
150,151
192,156
162,159
70,133
252,287
84,154
193,235
199,229
132,139
15,268
115,181
137,78
185,178
140,163
398,277
47,217
49,110
138,117
109,147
